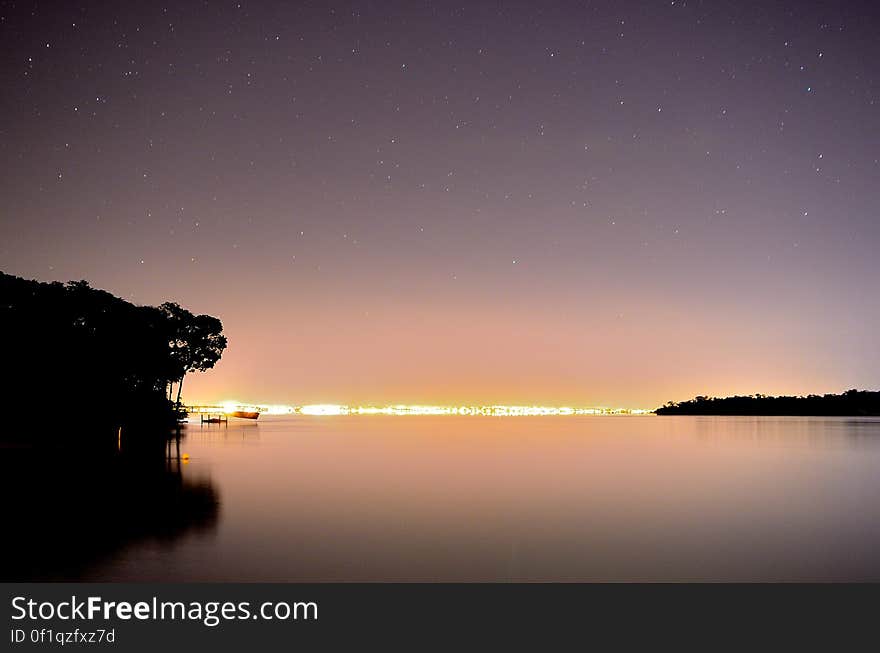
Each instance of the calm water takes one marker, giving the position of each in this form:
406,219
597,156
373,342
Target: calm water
523,499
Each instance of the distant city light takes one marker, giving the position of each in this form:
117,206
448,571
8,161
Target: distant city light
494,410
322,409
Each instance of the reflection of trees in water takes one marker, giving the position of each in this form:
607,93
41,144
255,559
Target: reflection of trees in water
809,431
68,509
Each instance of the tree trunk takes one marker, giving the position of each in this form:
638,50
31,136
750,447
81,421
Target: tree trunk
179,388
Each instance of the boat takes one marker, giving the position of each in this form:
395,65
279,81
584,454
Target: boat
245,414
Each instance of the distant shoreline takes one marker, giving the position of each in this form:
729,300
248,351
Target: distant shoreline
852,403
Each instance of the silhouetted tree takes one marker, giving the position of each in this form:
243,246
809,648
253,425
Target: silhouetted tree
196,342
69,349
851,402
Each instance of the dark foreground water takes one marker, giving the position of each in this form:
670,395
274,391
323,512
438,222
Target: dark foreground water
523,499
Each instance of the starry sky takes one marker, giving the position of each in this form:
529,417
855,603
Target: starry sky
590,203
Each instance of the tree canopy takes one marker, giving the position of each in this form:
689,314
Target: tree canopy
196,342
73,351
851,403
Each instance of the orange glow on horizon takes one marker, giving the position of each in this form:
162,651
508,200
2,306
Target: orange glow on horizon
452,352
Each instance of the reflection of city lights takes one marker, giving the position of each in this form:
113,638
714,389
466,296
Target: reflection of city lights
229,407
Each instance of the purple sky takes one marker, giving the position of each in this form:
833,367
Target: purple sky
592,203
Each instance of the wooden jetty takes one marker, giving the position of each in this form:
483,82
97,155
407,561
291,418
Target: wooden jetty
213,419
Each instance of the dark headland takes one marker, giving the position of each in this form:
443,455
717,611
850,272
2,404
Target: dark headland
90,446
81,358
849,403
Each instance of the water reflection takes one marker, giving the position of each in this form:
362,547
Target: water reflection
383,498
244,432
69,510
789,431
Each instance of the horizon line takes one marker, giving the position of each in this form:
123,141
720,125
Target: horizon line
333,409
